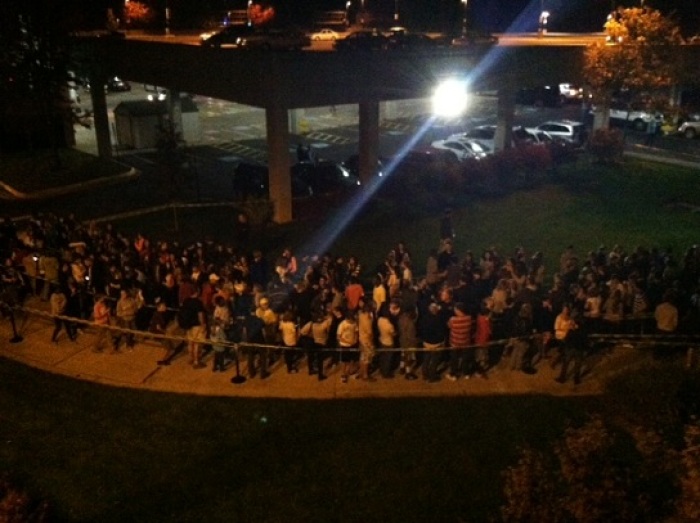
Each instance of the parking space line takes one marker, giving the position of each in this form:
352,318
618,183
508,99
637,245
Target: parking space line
330,138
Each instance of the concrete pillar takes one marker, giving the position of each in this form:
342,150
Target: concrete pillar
100,117
505,111
175,111
298,124
280,184
369,140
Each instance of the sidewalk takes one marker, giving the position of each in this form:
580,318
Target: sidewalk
137,369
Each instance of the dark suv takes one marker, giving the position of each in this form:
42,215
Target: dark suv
308,178
229,36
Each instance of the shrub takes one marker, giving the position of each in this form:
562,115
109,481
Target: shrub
594,474
606,145
17,507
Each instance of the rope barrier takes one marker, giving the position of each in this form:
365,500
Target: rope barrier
660,339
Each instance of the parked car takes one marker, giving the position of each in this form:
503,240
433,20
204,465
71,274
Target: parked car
639,119
308,178
541,96
570,93
409,41
228,36
691,127
362,41
485,136
474,38
324,176
274,39
567,130
462,149
325,35
116,85
352,164
252,180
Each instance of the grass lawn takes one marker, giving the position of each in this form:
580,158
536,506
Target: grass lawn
33,171
587,205
104,454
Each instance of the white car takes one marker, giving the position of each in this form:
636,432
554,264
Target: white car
485,135
325,35
691,127
566,130
462,148
639,119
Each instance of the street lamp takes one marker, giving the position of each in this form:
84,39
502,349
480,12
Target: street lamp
464,17
544,17
450,98
396,10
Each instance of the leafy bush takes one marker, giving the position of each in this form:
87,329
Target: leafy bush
595,474
606,145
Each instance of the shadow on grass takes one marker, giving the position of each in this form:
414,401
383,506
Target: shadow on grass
106,454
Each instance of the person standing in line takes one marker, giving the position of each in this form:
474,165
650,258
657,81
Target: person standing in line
408,341
318,329
353,294
127,307
563,324
482,337
218,335
193,319
102,315
58,303
460,326
387,341
575,346
158,325
366,320
433,331
348,337
666,315
337,316
289,333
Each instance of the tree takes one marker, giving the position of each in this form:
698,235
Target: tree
639,59
138,14
261,15
34,58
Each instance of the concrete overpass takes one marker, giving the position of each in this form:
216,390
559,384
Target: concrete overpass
282,81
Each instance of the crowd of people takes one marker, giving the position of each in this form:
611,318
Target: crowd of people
457,320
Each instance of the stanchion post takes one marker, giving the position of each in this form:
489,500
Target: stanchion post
238,379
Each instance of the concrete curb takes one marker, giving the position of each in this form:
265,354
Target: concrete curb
52,192
652,155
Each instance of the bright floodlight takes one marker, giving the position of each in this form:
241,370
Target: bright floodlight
450,98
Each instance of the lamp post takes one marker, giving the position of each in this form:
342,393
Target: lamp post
544,17
167,18
396,10
464,17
